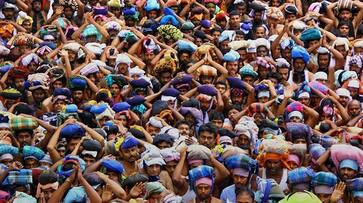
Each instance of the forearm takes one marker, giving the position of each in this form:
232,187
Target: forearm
93,167
91,193
195,66
116,188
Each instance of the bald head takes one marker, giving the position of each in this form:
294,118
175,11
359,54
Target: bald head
354,108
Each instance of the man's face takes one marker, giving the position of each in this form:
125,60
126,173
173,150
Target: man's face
304,100
345,15
323,61
218,123
152,130
354,109
30,163
19,83
284,72
207,139
274,166
263,72
299,65
59,105
130,155
153,170
262,51
48,193
153,14
115,89
163,145
206,79
314,43
325,198
184,58
77,95
248,79
243,142
71,144
221,88
24,138
239,181
343,100
184,130
37,6
260,32
232,67
89,160
8,13
342,50
203,191
68,12
286,53
170,166
347,173
165,77
234,21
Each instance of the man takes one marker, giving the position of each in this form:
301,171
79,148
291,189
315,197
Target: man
240,176
129,154
207,135
354,108
202,180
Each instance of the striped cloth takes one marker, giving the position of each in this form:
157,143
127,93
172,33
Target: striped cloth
300,175
324,178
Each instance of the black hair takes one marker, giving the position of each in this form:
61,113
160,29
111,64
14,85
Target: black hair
221,82
235,106
233,13
216,30
243,190
216,115
31,132
274,75
208,127
181,122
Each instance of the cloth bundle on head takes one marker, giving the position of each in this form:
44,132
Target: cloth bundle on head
207,90
72,130
102,110
170,154
8,149
263,63
95,47
247,70
341,76
91,30
112,165
89,69
168,32
310,35
207,70
7,31
32,57
273,149
66,169
19,72
123,58
4,51
126,143
153,157
198,152
301,197
201,175
324,182
23,123
235,82
343,152
299,52
21,197
300,177
356,60
274,13
345,4
32,152
231,56
236,45
77,83
184,45
241,164
115,3
11,93
262,42
341,41
227,35
296,131
319,87
152,188
316,151
169,63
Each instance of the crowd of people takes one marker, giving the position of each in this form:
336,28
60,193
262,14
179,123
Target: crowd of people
171,101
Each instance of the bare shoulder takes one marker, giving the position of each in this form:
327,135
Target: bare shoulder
216,200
